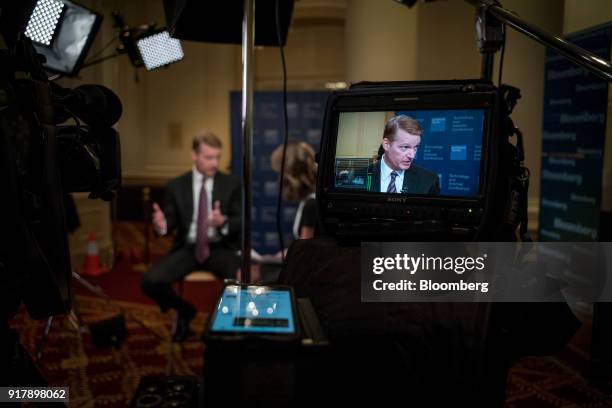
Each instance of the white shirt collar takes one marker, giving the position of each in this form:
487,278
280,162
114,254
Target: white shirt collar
385,171
197,176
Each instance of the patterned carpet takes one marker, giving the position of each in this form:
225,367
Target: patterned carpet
559,381
547,382
109,377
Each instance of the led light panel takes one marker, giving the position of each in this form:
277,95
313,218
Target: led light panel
159,49
43,21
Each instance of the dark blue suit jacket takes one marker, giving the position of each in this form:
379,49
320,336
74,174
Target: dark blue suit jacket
417,180
178,206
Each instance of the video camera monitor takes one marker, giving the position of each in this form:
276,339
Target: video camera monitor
416,156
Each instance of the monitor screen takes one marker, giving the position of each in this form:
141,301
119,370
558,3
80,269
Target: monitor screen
254,309
433,152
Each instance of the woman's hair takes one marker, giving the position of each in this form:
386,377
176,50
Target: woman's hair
300,170
404,122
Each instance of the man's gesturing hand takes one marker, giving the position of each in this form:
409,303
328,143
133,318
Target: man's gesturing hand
216,219
159,220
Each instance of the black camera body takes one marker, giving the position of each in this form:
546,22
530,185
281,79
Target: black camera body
40,162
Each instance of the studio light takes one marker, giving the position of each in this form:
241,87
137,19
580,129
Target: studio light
147,46
159,49
43,21
62,32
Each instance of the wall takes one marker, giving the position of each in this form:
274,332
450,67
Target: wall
360,133
315,52
580,14
381,41
446,41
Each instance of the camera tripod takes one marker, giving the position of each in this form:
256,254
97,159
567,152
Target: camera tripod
74,315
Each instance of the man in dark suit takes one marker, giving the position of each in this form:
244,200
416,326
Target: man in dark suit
203,206
395,171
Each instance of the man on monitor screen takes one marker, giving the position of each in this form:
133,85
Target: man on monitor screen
395,171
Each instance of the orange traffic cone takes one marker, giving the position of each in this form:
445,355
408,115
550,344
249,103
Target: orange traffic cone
91,265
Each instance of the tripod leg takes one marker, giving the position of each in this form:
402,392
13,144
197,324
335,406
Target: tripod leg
75,319
43,340
91,287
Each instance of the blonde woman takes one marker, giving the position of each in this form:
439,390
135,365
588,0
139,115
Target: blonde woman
299,185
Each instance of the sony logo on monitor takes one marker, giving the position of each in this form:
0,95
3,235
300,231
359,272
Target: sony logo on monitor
397,199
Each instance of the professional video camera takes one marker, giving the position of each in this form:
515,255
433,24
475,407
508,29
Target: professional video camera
40,162
461,178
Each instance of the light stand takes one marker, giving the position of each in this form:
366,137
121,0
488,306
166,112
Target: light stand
248,41
490,38
127,44
143,46
490,16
